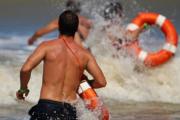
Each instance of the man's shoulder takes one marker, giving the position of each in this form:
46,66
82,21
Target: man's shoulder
50,41
84,20
82,49
47,43
86,53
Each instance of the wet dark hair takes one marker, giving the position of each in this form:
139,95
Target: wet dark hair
73,5
68,23
113,9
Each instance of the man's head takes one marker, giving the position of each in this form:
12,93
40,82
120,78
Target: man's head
73,5
112,10
68,23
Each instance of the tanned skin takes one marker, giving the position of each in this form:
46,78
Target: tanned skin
61,69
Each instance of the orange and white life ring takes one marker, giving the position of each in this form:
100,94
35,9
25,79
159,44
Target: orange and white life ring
170,46
87,93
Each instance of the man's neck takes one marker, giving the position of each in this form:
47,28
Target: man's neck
67,38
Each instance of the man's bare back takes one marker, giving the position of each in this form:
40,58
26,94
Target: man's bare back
63,62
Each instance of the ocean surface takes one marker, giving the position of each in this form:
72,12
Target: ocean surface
132,93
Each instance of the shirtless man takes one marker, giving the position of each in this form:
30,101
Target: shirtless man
83,29
64,63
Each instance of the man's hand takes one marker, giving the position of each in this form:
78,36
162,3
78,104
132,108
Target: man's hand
133,35
84,77
22,93
31,40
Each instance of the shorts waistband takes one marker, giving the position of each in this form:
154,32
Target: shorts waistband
41,101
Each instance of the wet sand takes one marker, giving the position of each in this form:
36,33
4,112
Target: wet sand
119,111
145,111
15,112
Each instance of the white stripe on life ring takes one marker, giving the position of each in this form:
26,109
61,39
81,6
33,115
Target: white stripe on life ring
80,90
142,55
170,47
132,27
160,20
83,87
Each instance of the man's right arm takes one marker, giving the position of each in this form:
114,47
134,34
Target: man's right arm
25,73
85,22
96,72
84,26
53,25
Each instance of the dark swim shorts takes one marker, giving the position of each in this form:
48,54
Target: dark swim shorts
52,110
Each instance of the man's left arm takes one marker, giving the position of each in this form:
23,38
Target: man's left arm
25,73
52,26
